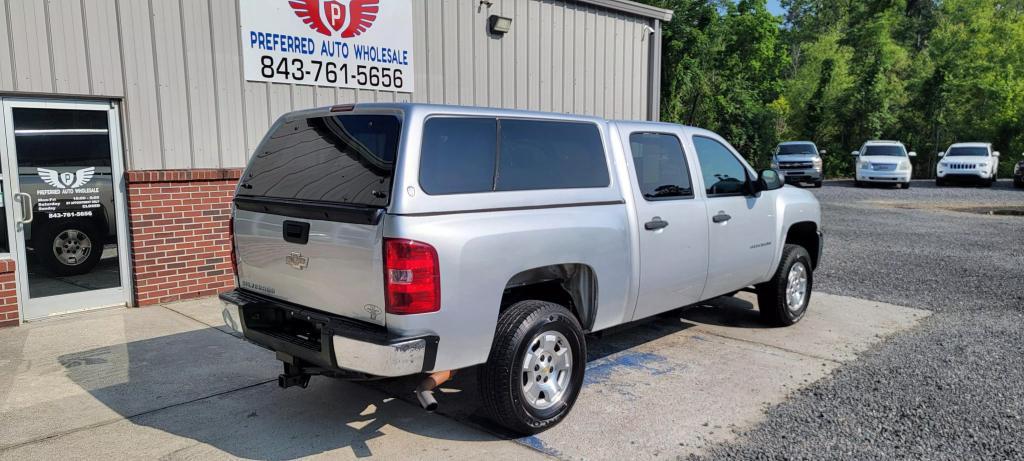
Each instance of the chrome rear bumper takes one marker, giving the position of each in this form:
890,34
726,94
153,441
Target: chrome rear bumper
326,343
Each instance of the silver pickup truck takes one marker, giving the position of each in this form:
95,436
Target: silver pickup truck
383,240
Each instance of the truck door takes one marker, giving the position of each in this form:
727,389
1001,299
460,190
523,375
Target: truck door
742,235
673,234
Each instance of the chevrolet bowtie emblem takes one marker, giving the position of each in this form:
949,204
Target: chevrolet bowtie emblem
297,261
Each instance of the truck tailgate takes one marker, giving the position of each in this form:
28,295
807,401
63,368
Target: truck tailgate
338,270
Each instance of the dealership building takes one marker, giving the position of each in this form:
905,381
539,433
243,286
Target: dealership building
126,123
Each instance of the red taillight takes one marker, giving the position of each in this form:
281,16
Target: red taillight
412,278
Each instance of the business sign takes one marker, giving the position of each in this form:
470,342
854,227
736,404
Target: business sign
364,44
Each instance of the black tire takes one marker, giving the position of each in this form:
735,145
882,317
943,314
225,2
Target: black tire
1018,184
857,183
772,299
817,184
501,379
74,231
905,185
939,182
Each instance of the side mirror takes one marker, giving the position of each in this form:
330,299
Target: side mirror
912,154
940,154
995,154
855,153
768,180
822,152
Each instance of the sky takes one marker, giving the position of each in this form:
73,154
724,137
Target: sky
773,6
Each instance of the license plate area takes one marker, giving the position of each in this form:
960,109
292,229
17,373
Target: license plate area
285,325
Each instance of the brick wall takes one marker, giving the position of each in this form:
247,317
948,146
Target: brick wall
8,295
179,233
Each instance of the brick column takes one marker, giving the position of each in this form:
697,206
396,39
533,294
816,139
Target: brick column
8,295
179,233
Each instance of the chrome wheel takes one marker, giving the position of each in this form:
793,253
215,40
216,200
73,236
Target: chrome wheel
72,247
547,370
796,287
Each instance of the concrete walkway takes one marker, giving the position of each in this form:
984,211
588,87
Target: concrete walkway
171,382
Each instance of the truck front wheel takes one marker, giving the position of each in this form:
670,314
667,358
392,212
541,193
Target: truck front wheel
535,370
783,299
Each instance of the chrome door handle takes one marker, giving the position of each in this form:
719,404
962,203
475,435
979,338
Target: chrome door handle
720,218
655,224
24,199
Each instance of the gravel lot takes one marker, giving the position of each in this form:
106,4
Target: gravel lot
952,388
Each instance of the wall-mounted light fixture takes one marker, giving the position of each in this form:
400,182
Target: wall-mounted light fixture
499,25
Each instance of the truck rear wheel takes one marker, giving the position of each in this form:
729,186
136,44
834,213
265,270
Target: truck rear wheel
783,300
535,370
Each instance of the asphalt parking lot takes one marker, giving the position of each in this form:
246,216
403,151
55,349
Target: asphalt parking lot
948,389
861,377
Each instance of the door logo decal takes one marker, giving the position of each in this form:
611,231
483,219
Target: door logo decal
67,180
332,16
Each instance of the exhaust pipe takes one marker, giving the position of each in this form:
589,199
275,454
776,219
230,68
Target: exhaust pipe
425,391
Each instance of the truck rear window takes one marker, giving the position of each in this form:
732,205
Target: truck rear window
346,159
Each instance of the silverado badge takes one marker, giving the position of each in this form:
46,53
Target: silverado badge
297,261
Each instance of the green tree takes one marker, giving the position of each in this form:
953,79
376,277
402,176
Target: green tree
839,72
723,66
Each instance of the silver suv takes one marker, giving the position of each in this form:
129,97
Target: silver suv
383,240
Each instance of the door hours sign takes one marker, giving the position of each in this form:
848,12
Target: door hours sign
365,44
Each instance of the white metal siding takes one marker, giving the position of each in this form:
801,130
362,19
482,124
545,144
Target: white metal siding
177,65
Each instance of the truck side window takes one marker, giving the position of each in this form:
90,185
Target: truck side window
458,155
539,154
723,173
661,171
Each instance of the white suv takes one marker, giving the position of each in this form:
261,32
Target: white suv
884,162
968,161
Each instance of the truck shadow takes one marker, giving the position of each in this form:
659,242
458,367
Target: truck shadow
725,311
210,387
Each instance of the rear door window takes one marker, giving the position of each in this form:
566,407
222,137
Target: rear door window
345,159
660,165
536,154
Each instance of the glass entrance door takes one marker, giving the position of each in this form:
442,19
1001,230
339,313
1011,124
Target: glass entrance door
65,204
